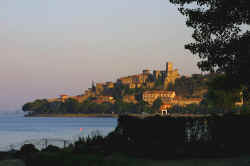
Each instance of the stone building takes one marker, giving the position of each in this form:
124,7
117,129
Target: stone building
132,86
109,85
125,80
150,85
169,67
99,88
138,85
63,97
159,75
80,98
89,92
184,101
104,99
171,74
164,108
151,96
50,100
146,79
129,99
146,71
135,81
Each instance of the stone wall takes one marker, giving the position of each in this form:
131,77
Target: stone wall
129,99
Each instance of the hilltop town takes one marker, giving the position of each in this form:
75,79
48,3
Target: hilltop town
147,86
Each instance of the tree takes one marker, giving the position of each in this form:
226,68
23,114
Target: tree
158,83
170,86
220,94
143,106
220,39
157,104
39,106
72,105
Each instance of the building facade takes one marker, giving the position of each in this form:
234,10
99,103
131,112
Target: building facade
151,96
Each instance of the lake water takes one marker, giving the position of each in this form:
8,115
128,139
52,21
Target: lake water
15,128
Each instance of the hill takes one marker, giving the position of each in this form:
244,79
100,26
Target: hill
130,94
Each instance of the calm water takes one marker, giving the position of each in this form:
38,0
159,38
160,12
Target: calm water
16,129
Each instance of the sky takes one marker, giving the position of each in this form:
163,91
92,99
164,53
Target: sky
50,47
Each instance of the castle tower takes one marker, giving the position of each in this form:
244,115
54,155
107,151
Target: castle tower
93,86
171,75
169,67
146,71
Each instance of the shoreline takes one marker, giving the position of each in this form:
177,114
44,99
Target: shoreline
112,115
89,115
75,115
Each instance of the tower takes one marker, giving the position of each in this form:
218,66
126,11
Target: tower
93,86
169,67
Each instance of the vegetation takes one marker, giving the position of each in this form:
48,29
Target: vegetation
220,94
217,94
204,109
223,48
87,107
187,87
68,159
121,90
131,143
221,41
157,104
184,136
159,83
218,97
194,86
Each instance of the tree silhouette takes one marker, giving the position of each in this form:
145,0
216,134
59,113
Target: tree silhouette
220,94
222,36
157,104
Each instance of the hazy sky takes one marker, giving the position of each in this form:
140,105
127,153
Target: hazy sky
49,47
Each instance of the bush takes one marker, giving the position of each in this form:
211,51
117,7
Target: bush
51,148
170,136
27,149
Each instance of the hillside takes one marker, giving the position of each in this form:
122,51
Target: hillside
130,94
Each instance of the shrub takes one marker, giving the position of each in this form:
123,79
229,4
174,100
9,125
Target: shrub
51,148
27,149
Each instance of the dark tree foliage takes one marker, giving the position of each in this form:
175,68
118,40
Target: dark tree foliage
40,105
194,86
187,86
220,94
222,36
86,107
157,104
121,90
202,136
